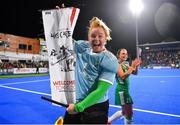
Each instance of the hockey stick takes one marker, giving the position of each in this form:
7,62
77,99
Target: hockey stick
53,101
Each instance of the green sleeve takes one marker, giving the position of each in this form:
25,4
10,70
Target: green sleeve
93,97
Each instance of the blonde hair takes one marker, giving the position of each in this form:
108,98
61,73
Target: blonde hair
96,22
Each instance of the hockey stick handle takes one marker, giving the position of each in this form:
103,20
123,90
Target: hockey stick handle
53,101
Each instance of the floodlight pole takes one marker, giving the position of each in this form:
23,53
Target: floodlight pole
136,8
137,37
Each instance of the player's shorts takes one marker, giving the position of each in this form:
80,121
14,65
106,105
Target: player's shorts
122,98
95,114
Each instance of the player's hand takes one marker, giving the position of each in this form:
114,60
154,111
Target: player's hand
58,7
70,109
136,63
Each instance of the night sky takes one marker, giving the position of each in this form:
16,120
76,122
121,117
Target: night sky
159,20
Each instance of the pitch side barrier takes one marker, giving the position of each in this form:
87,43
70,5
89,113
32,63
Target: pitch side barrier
22,71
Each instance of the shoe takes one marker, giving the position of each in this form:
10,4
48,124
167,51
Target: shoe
59,121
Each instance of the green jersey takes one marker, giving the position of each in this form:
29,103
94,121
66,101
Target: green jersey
122,95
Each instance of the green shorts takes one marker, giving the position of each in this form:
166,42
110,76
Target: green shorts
122,97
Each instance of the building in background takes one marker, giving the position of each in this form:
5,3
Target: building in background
17,52
18,48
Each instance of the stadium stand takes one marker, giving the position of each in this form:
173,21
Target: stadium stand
161,55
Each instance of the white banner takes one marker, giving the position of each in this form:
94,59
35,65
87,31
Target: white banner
59,26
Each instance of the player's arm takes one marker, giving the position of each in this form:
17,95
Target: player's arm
93,97
123,74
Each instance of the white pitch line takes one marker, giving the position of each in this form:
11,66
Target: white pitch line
141,110
152,112
12,83
156,76
24,90
159,113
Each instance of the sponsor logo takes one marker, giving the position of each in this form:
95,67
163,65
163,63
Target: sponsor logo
61,34
64,85
47,12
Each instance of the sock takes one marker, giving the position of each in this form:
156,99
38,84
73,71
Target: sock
115,116
128,121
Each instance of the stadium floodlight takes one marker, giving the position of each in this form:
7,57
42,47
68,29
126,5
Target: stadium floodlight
136,6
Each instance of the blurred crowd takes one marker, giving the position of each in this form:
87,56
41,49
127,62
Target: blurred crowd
6,64
161,57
